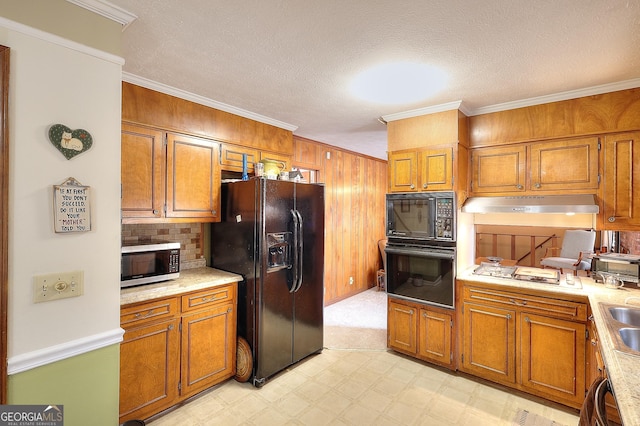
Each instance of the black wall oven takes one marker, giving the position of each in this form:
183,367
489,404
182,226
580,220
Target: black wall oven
421,247
422,273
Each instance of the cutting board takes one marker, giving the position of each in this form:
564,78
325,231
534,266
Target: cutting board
536,272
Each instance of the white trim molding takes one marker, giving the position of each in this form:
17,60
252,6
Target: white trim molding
422,111
168,90
562,96
108,10
28,361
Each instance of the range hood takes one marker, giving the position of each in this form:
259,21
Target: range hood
579,203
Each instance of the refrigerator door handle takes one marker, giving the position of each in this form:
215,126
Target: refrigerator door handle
296,236
300,249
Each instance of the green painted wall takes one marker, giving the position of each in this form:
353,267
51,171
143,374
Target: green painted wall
86,385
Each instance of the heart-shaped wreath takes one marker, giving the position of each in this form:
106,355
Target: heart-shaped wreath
70,142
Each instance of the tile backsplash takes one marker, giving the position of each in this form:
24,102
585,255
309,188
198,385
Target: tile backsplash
189,235
630,242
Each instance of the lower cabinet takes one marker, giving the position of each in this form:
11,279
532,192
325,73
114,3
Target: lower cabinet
175,347
534,342
422,331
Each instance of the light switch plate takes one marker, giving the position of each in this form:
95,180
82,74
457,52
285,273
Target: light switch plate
59,285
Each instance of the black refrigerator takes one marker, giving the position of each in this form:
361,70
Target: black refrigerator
272,233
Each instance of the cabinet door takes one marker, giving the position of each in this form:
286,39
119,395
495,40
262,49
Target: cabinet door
489,342
402,323
403,171
436,169
208,348
621,187
231,157
142,172
149,369
564,165
553,357
193,178
434,340
498,169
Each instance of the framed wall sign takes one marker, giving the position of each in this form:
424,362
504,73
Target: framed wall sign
71,207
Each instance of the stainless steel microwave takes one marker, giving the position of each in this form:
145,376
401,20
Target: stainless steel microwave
149,263
422,215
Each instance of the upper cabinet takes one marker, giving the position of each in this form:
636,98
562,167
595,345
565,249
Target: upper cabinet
548,167
421,170
498,169
193,178
142,173
168,177
621,183
428,153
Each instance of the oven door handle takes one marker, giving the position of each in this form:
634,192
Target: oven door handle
420,252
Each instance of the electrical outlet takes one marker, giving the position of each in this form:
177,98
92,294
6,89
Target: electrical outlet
58,286
350,280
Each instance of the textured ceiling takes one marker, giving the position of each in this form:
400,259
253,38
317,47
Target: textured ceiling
292,60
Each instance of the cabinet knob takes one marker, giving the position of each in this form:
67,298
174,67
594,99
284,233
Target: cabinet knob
155,212
214,212
611,219
537,185
508,316
519,186
424,186
527,319
412,186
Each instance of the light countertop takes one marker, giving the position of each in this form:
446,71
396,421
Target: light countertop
190,280
623,368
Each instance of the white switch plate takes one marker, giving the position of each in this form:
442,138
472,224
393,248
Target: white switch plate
58,286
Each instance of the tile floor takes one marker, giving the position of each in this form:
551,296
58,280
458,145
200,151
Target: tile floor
360,387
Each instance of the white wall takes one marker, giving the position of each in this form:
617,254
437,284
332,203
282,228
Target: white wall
54,81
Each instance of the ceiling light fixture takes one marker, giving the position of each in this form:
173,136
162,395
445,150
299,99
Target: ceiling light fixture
398,83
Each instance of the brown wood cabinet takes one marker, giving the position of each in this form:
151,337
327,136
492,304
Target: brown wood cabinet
532,341
143,173
231,157
421,170
429,153
548,167
421,331
168,177
175,347
498,169
621,183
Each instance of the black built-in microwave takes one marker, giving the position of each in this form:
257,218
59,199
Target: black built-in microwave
422,215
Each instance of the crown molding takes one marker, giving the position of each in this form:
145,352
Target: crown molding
562,96
168,90
422,111
108,10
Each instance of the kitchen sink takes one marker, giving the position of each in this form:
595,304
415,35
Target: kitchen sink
631,337
623,322
630,316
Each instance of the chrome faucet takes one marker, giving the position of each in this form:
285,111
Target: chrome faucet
626,301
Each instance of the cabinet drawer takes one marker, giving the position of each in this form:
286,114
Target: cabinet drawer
208,297
557,308
156,310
